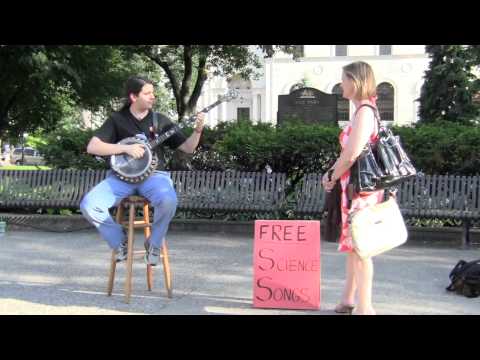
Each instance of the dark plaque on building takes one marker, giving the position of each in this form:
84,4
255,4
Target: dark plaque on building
309,105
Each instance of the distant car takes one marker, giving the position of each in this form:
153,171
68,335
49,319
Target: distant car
30,157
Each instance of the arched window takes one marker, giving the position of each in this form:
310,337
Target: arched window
385,101
343,105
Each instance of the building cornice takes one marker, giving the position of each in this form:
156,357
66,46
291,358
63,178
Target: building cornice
348,58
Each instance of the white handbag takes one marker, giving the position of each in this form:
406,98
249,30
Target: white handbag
378,228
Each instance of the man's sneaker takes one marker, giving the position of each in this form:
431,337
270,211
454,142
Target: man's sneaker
152,255
122,251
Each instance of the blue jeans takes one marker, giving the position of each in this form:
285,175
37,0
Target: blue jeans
157,188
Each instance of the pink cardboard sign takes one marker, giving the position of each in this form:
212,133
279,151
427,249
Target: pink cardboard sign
286,262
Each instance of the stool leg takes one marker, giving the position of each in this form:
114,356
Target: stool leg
147,232
166,270
113,262
111,276
149,277
146,220
131,234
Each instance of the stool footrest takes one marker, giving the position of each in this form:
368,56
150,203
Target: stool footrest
137,224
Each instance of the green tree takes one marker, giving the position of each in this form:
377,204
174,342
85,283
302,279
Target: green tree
41,84
450,84
188,66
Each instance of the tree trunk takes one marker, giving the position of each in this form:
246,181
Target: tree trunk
197,89
185,99
180,160
187,77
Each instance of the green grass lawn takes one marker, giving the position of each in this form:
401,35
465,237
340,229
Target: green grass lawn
24,167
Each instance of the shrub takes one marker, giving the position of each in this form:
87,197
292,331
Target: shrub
66,149
294,148
443,147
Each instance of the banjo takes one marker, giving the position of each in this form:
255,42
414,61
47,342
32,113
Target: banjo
134,170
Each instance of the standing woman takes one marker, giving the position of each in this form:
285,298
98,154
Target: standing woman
358,84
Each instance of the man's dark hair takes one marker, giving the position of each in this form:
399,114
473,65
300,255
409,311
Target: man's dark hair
134,85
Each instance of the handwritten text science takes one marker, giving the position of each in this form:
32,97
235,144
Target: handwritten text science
287,264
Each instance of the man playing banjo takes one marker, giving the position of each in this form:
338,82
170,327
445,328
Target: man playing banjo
134,118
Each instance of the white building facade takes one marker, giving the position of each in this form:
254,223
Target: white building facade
399,72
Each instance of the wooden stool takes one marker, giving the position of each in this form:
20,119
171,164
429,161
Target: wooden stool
132,202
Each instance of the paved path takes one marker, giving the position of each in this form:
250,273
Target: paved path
52,273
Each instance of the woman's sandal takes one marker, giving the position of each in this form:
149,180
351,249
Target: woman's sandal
344,309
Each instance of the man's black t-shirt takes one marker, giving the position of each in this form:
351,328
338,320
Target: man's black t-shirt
123,124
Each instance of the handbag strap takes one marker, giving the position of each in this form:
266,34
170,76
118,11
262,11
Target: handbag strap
376,113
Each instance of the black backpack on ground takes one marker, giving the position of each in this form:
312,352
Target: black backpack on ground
465,278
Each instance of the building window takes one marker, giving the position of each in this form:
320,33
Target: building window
341,50
385,50
343,105
385,101
243,114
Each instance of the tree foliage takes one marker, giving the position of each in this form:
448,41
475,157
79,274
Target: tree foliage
187,67
450,84
41,84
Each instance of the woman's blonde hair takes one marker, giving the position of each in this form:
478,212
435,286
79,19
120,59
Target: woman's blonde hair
363,79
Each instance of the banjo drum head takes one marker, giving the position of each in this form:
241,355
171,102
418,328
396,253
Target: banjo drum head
129,167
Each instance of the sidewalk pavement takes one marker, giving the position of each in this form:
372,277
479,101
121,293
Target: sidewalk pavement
66,273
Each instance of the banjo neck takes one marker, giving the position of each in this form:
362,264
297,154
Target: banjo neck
162,137
135,170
